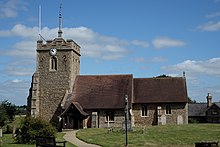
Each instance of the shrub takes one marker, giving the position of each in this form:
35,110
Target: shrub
31,127
7,129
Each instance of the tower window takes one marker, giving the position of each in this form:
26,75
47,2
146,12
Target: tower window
53,63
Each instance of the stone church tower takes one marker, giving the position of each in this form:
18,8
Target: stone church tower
58,63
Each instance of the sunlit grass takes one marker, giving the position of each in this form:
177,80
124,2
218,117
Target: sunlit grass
176,135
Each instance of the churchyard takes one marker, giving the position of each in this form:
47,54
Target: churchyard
168,135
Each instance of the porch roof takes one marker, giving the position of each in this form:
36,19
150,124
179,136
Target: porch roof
78,107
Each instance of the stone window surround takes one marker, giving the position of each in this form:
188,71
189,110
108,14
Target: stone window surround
53,63
168,110
144,111
111,115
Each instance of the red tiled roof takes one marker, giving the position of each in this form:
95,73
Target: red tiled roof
102,91
160,90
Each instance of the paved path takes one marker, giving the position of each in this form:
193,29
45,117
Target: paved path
71,137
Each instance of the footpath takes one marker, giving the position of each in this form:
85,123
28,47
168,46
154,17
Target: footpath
70,136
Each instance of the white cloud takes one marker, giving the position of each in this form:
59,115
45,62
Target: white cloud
93,45
15,91
16,81
208,67
216,1
159,59
144,68
139,60
80,33
21,31
25,49
165,42
213,15
200,75
20,71
10,8
210,26
140,43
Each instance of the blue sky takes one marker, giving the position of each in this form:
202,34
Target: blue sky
146,38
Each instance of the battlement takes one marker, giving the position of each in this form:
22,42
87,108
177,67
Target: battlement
59,43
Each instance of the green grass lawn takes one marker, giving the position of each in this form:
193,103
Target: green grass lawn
176,135
8,141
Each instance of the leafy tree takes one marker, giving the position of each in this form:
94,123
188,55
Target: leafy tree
31,127
191,101
9,108
3,116
7,112
21,110
163,76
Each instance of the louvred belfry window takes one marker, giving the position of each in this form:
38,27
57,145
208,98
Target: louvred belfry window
53,63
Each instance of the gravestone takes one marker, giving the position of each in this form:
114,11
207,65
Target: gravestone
94,120
1,143
180,120
163,120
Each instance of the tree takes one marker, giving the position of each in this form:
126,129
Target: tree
21,110
9,108
190,101
163,76
3,116
7,112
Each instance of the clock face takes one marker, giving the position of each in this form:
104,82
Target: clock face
53,52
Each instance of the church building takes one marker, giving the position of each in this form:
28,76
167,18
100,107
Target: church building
61,95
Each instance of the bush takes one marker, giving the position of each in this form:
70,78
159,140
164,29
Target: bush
31,127
7,129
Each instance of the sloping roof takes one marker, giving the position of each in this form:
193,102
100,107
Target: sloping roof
160,90
102,91
197,109
78,107
218,104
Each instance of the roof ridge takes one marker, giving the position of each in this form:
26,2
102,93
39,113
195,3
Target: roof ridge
162,78
103,75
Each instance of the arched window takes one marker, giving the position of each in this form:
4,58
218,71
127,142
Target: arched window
53,63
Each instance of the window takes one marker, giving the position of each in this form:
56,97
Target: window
144,110
53,63
168,109
110,116
214,112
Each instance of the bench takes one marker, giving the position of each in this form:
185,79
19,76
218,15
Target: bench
207,144
48,142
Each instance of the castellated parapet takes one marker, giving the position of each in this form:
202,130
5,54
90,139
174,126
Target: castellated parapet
54,77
